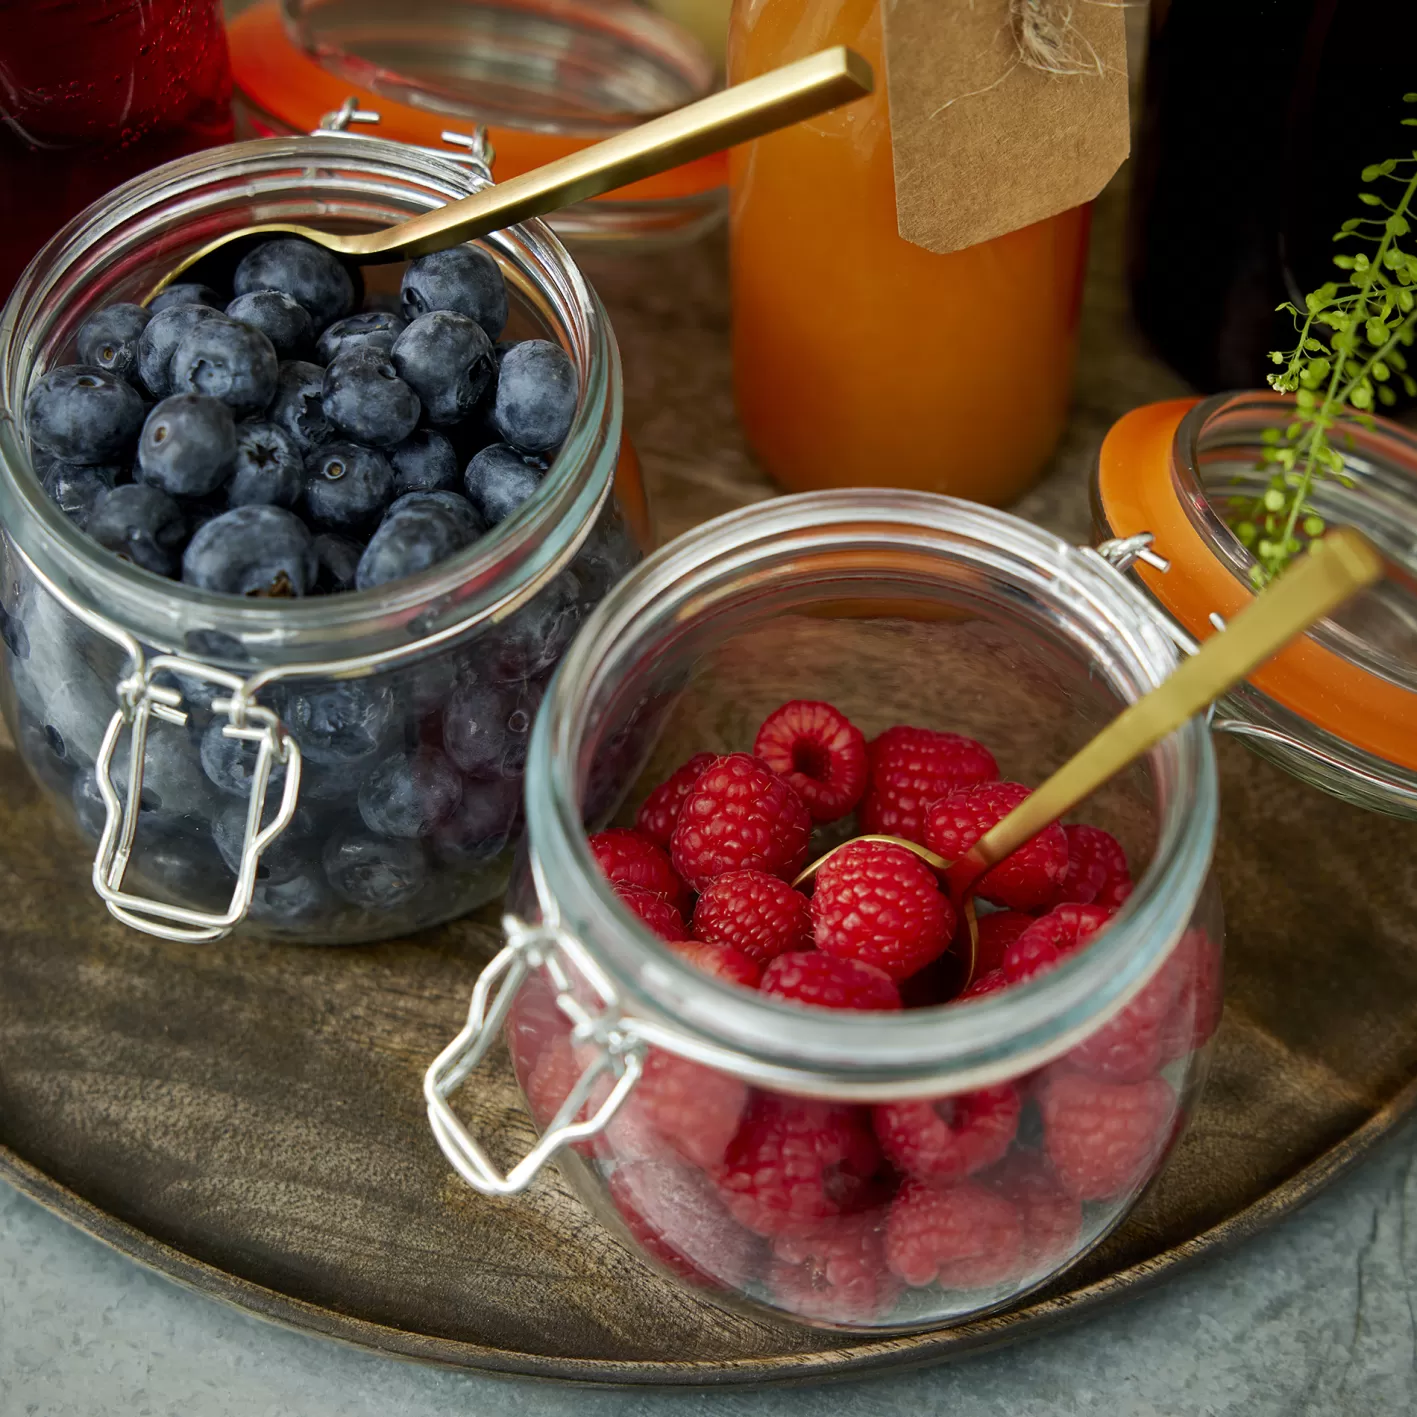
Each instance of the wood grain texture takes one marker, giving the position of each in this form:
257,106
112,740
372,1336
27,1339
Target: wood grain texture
248,1118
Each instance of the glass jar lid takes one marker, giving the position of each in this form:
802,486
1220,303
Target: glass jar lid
545,77
1343,698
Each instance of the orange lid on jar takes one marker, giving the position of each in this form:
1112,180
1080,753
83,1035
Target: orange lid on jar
1339,705
544,77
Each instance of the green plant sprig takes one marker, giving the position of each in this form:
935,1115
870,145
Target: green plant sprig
1351,337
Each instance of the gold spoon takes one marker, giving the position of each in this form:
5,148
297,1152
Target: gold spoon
734,115
1333,569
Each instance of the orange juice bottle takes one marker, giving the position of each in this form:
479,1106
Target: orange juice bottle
860,359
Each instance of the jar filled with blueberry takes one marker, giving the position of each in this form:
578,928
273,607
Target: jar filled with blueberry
362,513
765,1043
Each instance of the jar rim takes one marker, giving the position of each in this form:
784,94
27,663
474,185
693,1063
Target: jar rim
530,546
917,1052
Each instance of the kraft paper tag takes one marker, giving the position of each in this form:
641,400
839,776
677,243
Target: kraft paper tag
984,141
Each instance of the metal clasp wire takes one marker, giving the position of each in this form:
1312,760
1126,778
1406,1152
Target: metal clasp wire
139,700
617,1051
476,147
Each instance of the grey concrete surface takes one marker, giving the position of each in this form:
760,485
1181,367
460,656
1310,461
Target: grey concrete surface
1316,1318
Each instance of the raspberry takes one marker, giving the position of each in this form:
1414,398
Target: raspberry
678,1108
810,977
796,1163
675,1215
1052,1219
964,1236
626,858
732,966
660,810
880,903
837,1273
1103,1136
739,816
1026,880
948,1138
989,983
753,912
1130,1046
819,752
997,931
550,1082
1196,1014
1114,894
660,915
911,770
1052,936
1096,863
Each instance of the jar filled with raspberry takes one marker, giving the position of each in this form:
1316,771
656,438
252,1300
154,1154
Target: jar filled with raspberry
273,644
761,1040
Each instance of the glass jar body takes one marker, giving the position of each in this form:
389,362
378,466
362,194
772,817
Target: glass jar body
867,1170
372,685
860,359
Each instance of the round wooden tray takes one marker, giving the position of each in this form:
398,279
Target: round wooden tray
248,1119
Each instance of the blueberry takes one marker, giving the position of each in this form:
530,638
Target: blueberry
607,554
373,872
464,279
486,728
285,858
408,794
160,339
310,274
339,724
375,329
109,338
423,462
481,827
252,551
536,396
282,319
230,763
499,479
188,445
533,639
419,530
140,524
268,470
366,400
339,560
89,806
296,406
185,293
173,780
75,489
291,903
229,361
177,855
448,360
82,413
346,486
72,712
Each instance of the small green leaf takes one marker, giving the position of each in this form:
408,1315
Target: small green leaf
1369,199
1386,396
1313,526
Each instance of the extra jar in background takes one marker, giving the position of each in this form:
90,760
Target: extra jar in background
1338,708
351,679
750,1147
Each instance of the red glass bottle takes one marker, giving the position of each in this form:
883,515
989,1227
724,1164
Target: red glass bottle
93,92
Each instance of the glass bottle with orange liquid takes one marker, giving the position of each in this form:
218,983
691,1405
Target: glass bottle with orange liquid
863,360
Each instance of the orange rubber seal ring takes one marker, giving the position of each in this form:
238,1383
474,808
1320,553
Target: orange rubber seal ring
1137,494
280,79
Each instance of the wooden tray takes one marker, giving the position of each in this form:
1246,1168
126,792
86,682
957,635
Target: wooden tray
248,1120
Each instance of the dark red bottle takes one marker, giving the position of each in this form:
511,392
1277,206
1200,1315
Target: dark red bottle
92,92
1260,116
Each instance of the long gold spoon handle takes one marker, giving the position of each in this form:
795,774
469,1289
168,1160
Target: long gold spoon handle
748,110
1336,567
